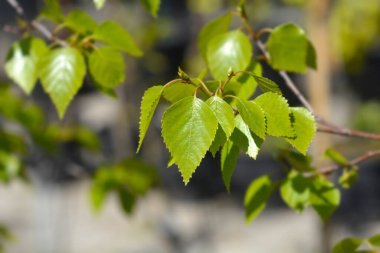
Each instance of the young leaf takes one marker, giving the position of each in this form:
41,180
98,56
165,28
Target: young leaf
348,178
22,62
277,113
223,113
305,128
152,6
257,197
288,48
267,85
117,37
177,91
247,82
107,67
375,240
62,73
324,198
253,116
228,159
349,245
52,11
336,156
243,138
99,4
219,141
188,128
148,106
211,30
295,191
79,21
231,50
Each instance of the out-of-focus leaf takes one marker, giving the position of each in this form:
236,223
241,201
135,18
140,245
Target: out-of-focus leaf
152,6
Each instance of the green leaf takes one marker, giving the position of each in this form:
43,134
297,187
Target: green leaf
98,196
126,200
99,4
117,37
188,128
245,139
107,67
288,48
79,21
257,197
324,198
253,116
375,240
177,91
349,245
219,141
223,113
305,128
267,85
22,62
247,82
277,113
62,73
311,58
152,6
295,191
211,30
52,11
348,178
228,160
336,156
297,161
148,106
231,50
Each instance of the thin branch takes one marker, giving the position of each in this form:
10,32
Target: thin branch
348,132
16,6
366,156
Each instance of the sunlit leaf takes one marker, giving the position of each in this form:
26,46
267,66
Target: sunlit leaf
219,140
348,177
336,156
223,113
349,245
177,91
375,240
188,128
80,21
228,159
99,3
257,197
253,116
22,62
295,191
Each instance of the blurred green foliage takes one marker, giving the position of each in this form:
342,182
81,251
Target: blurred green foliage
367,117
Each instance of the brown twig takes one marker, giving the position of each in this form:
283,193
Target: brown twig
348,132
366,156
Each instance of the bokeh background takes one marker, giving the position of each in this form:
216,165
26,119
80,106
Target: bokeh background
52,212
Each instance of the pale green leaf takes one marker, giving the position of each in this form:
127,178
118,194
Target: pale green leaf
99,4
253,116
52,11
277,113
62,73
288,48
79,21
223,113
117,37
336,156
107,67
22,62
348,178
228,51
245,139
267,85
257,197
348,245
220,139
228,160
305,128
177,91
188,128
212,29
295,191
148,106
152,6
324,198
375,240
247,82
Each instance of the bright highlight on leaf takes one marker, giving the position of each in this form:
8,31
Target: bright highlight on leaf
224,114
117,37
107,67
148,106
253,116
304,127
188,128
22,62
290,49
62,73
152,6
231,50
99,4
257,197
